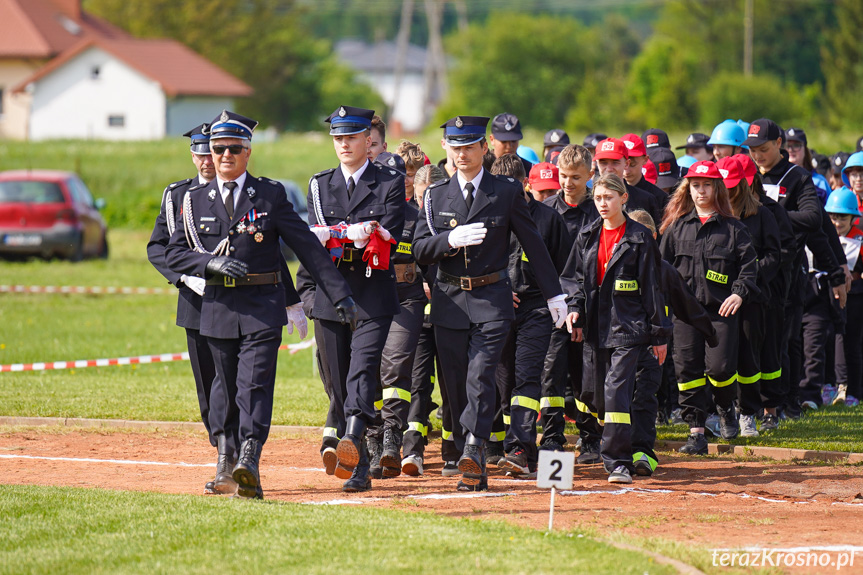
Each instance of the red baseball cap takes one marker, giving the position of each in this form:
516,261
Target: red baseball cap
635,145
544,176
649,171
611,149
731,171
704,169
748,166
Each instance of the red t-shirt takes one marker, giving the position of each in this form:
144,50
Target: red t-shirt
704,219
608,240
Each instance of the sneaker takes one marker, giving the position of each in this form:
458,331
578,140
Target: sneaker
620,475
642,464
747,426
712,425
578,443
841,394
809,404
450,468
481,486
677,417
413,465
695,445
515,462
729,428
769,422
589,453
828,393
494,452
851,401
529,475
551,445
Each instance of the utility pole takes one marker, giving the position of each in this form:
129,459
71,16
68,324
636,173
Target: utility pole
402,43
435,69
748,17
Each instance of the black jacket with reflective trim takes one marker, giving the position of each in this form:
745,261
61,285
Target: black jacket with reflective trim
402,255
627,308
716,259
764,232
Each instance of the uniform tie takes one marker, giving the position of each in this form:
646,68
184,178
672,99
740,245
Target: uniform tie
468,187
229,199
351,186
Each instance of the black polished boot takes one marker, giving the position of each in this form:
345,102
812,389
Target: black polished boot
246,470
472,461
360,479
224,483
391,460
351,445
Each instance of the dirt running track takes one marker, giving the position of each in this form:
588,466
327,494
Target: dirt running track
710,502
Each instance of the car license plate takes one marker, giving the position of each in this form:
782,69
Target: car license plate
22,240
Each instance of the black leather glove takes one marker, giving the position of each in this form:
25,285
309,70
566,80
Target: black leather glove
225,266
347,310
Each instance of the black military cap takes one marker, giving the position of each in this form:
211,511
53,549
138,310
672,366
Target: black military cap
667,170
796,135
555,138
392,161
656,138
860,144
506,128
762,131
349,120
200,136
696,140
837,162
232,125
464,130
591,140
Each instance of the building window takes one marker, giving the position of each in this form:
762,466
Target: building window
94,72
116,121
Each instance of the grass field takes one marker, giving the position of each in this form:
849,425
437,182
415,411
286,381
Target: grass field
64,530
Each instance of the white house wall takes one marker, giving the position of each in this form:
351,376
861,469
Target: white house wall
184,113
409,109
70,103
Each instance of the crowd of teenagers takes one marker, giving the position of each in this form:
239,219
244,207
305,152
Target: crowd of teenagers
739,261
611,284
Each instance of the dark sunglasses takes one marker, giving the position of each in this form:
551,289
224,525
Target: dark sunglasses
235,150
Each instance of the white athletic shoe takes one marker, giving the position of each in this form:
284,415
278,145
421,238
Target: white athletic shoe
620,475
412,465
747,426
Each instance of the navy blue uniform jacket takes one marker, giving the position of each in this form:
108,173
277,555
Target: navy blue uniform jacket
627,308
188,302
498,204
378,196
226,312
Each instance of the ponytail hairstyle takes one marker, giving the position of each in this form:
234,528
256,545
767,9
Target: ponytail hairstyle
743,201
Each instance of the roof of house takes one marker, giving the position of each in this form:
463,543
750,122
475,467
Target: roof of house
43,29
379,57
179,70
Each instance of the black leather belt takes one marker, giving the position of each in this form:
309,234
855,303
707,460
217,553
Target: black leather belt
348,254
271,278
467,283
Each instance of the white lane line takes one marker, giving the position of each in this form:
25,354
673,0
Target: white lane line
115,461
426,496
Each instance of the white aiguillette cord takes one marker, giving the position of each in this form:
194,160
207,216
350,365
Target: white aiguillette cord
192,234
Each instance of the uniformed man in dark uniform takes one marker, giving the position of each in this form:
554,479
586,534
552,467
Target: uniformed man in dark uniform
370,200
230,236
466,225
191,288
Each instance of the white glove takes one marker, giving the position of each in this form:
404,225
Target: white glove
557,307
296,317
359,234
384,233
467,235
322,232
195,284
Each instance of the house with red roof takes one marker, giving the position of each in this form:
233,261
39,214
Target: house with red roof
67,74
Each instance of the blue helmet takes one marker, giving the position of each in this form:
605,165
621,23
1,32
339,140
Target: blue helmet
856,160
842,201
728,133
528,154
683,162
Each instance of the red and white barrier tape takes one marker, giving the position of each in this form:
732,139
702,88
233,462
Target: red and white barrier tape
140,359
86,290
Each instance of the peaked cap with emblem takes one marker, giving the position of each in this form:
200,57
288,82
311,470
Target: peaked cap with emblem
391,161
232,125
464,130
200,136
555,138
347,120
696,140
506,128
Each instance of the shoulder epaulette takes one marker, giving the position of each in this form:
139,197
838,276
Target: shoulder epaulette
442,182
180,183
324,173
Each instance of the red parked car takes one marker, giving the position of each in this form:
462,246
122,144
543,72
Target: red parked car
49,213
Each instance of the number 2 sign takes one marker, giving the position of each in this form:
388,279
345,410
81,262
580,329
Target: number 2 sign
555,469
